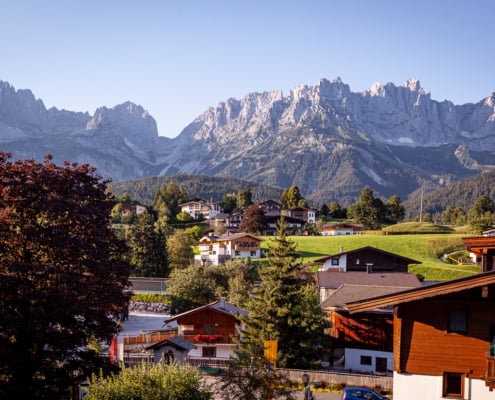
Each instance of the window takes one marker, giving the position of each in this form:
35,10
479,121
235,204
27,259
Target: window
453,385
209,351
458,321
365,360
253,254
335,261
209,329
237,253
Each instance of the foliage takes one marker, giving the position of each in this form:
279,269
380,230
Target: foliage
395,210
244,198
368,210
189,288
62,276
284,307
253,221
213,188
167,200
150,382
150,298
229,202
254,383
416,227
148,247
179,248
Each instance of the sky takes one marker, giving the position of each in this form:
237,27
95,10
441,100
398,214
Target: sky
178,58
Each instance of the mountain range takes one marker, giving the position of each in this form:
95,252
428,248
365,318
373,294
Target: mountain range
329,141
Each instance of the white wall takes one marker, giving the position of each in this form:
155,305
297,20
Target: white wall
425,387
353,359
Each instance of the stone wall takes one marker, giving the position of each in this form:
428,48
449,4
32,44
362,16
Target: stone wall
156,308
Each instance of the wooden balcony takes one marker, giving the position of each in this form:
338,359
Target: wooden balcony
246,247
209,339
490,371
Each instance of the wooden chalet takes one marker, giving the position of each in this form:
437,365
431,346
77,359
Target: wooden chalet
442,338
484,249
361,342
211,328
365,259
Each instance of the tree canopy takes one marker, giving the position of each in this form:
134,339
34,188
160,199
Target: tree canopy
284,307
62,276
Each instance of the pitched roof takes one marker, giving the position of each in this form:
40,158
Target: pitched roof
408,260
348,293
175,341
438,289
229,236
335,279
220,306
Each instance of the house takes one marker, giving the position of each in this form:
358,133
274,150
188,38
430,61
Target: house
293,224
365,259
271,208
211,329
442,337
341,228
134,209
484,249
308,215
173,349
361,342
218,249
201,209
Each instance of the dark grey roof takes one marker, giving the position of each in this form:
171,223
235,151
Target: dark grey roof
335,279
175,341
368,248
348,293
221,306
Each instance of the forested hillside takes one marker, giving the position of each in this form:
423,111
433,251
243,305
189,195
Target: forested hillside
196,186
459,194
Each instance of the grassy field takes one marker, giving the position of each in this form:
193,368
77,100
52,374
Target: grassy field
426,248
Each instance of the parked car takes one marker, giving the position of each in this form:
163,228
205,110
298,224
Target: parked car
360,393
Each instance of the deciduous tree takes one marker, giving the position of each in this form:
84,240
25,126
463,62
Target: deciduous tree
253,221
179,249
62,276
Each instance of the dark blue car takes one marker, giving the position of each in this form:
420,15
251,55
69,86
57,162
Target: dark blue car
360,393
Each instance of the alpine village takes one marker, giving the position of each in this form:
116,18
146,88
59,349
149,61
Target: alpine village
219,266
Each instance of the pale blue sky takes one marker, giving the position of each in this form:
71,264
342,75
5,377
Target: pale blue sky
177,58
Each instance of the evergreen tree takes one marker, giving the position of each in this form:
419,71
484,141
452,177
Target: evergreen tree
335,210
168,199
285,307
229,203
293,196
480,215
244,198
148,248
324,210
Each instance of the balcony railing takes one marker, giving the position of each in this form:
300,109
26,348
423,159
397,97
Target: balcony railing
490,371
209,339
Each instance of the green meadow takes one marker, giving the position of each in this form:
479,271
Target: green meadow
425,248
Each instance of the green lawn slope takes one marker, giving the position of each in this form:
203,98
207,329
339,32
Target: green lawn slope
426,248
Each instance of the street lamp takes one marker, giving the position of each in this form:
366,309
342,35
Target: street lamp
307,388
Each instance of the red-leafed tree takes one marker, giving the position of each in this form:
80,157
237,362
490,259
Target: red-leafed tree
62,276
253,220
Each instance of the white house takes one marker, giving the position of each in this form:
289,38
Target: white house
217,249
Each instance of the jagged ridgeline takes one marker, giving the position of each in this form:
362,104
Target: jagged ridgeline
196,186
327,140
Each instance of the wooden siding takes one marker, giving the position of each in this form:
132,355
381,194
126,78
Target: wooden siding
222,324
423,345
370,331
356,261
